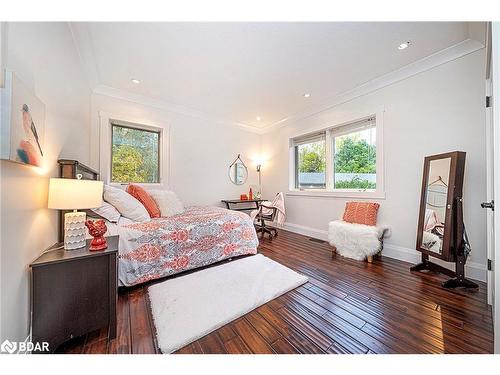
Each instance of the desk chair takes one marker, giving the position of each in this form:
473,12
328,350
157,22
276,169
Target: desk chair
263,216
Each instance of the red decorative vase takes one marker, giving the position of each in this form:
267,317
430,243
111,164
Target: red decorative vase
97,229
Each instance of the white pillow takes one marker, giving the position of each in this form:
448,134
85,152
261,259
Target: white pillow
126,204
108,212
168,202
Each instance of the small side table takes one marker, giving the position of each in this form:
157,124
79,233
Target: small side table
74,292
232,204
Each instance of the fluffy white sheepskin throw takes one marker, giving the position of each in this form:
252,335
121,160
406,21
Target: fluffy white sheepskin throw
355,241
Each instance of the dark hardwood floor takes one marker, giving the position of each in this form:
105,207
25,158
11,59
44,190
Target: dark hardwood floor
346,307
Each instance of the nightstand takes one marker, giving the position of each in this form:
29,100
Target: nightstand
74,292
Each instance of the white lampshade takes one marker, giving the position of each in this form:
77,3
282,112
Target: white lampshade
72,194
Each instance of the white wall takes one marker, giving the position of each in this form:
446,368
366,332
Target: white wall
201,150
45,59
436,111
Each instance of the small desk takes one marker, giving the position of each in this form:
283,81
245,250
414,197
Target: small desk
232,204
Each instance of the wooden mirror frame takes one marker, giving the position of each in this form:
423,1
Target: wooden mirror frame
456,246
455,187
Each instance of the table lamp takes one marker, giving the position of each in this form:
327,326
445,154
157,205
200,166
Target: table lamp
74,194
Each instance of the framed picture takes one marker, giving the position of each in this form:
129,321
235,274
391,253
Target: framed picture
22,118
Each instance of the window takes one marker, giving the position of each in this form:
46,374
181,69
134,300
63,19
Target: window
135,155
311,162
343,159
355,156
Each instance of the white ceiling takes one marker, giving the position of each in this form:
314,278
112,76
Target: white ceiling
238,71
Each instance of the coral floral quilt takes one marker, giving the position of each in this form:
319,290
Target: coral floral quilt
198,237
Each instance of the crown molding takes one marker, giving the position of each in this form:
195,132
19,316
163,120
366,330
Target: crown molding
444,56
83,44
168,107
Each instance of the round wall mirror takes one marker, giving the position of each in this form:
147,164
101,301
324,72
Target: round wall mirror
238,172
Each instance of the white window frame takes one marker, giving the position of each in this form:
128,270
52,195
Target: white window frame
105,129
308,139
330,132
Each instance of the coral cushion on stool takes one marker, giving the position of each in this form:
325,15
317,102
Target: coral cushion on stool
147,200
361,213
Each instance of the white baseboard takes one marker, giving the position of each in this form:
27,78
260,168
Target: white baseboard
306,231
475,271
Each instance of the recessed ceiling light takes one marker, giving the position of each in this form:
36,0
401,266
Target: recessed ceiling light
258,118
306,95
136,81
404,45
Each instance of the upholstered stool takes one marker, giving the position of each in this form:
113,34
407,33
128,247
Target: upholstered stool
356,241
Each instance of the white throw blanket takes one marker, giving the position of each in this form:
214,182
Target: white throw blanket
356,241
279,204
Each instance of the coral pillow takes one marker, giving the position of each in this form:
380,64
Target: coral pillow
361,213
147,200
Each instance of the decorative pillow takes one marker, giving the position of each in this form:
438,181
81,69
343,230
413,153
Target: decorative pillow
143,196
168,202
361,213
107,212
126,204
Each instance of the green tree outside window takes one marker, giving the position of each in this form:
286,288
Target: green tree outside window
135,155
353,155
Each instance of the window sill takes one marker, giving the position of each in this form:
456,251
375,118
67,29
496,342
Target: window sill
337,194
122,185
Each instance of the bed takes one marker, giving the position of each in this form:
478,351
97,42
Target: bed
198,237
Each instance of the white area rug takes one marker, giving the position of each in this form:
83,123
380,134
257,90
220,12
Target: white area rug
189,307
